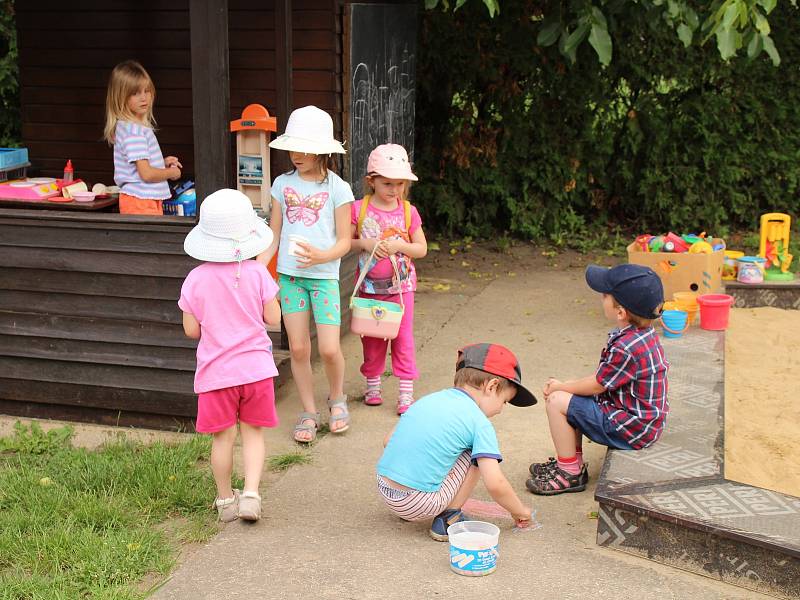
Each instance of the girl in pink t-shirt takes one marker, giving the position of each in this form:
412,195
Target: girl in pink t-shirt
225,302
387,220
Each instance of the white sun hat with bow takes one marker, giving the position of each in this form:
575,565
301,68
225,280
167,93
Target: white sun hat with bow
229,229
308,130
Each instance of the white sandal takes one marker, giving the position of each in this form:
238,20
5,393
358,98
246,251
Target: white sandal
249,506
227,508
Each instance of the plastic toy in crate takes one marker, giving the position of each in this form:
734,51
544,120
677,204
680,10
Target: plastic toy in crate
183,202
13,163
685,263
13,157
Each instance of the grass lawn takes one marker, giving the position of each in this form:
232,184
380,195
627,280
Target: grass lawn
76,523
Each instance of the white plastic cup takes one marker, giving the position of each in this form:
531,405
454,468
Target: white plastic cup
294,249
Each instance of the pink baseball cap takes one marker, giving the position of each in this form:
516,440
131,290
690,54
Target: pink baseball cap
390,161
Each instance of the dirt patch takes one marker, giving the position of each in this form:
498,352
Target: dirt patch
467,267
92,436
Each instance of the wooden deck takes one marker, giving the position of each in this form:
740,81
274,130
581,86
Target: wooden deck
89,324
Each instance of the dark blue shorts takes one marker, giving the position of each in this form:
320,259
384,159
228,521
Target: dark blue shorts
584,414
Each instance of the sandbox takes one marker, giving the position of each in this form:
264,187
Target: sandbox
762,399
679,502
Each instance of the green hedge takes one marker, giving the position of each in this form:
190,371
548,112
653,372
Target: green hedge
10,133
512,138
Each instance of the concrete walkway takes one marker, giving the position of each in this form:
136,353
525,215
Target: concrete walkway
325,532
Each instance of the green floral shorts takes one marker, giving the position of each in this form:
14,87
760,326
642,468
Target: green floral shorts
321,296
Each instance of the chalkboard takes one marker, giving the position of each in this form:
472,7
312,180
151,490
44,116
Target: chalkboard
382,78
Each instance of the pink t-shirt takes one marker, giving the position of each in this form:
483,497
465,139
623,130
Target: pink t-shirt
387,225
234,347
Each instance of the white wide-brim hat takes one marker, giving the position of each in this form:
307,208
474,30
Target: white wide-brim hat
229,229
309,130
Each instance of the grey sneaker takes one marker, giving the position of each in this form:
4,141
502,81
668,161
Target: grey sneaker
249,506
228,508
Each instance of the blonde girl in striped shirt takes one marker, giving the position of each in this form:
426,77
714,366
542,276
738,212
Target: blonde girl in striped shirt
140,170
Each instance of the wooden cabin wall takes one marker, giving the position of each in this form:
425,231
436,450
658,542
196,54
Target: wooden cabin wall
67,50
90,329
89,323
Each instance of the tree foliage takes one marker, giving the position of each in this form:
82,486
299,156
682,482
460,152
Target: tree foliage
512,135
9,74
733,24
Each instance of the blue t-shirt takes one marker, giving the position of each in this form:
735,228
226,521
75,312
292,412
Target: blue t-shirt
432,434
308,210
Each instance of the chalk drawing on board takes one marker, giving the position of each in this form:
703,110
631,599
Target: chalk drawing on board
383,84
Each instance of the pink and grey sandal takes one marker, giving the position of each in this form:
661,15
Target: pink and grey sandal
558,481
373,397
404,402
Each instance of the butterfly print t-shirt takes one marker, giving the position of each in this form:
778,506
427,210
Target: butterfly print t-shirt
308,211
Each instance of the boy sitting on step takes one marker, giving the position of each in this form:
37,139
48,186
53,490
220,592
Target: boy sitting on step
622,405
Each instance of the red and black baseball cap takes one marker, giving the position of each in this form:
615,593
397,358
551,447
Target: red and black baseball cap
496,360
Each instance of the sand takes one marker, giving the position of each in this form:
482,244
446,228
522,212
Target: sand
762,398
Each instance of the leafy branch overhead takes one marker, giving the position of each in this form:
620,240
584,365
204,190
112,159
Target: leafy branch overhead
733,24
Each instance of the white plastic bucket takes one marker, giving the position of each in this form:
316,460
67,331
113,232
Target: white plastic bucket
473,547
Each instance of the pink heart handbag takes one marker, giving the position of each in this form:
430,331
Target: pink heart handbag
375,318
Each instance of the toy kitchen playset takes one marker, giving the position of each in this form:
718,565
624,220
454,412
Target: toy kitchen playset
15,185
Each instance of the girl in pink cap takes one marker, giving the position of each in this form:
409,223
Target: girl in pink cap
386,219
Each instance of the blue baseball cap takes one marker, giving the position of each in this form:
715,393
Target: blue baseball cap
635,287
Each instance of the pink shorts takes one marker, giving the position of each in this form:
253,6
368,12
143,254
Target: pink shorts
251,403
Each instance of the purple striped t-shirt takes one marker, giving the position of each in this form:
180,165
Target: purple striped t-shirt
133,142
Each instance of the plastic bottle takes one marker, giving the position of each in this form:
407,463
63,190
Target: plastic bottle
69,172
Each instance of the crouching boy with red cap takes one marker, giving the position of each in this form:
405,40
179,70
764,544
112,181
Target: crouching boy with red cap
623,404
444,443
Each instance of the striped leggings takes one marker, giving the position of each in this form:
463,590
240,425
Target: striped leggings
417,505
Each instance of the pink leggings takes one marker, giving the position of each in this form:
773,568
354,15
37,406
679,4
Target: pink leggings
404,361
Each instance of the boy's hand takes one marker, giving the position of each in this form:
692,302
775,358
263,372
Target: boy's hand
551,386
175,172
522,519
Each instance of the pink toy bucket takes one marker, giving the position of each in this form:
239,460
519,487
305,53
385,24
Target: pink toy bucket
714,311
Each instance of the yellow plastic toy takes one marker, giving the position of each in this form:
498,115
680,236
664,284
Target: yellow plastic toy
774,246
701,248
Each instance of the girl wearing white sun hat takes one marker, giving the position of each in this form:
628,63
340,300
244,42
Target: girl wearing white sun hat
225,302
309,130
310,218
